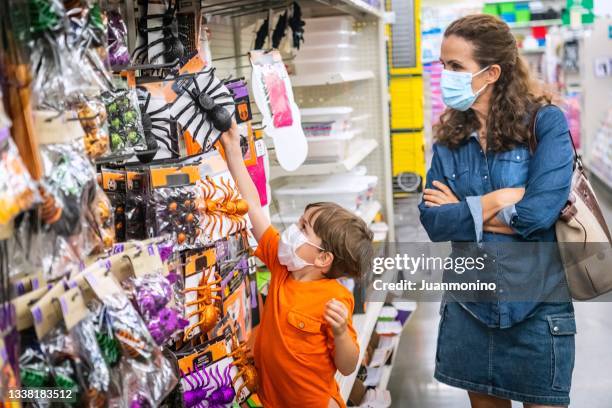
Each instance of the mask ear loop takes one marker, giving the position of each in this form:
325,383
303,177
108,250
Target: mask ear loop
478,92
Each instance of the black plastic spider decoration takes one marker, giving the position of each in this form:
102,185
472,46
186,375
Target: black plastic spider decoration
172,48
204,102
157,126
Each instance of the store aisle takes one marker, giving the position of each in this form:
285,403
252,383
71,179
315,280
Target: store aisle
412,383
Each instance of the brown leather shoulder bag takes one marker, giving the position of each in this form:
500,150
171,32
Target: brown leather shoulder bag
582,233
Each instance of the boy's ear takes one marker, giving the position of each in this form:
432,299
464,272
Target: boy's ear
324,260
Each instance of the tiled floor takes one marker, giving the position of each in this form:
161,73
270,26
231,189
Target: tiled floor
412,383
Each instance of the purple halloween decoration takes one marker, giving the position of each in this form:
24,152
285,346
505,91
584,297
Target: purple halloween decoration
165,250
139,401
166,324
153,296
118,52
224,394
197,395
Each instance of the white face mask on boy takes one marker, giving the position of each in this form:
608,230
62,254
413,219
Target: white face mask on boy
291,239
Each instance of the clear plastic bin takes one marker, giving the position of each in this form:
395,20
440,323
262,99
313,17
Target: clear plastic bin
342,23
322,38
326,114
325,149
348,190
315,66
325,51
326,121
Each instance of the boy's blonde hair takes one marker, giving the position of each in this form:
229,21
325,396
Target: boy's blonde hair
346,236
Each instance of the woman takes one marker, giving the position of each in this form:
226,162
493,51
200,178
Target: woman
486,186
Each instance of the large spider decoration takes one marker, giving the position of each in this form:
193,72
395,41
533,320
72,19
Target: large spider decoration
220,202
204,106
207,301
245,365
168,45
178,215
157,126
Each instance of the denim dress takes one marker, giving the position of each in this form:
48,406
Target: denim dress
518,342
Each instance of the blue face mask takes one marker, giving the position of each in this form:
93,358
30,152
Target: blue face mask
457,89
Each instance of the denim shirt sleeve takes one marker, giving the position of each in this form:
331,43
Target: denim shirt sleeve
550,177
448,222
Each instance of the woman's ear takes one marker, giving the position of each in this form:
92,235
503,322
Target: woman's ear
324,260
493,73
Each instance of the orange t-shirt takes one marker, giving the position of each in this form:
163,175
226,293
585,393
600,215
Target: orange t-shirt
294,346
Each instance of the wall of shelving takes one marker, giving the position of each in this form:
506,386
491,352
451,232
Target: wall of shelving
364,89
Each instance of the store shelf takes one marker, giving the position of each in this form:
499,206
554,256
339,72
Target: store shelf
363,7
385,376
368,213
360,150
536,23
358,8
330,78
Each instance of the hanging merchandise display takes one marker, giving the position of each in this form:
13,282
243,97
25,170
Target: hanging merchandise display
110,183
281,117
127,269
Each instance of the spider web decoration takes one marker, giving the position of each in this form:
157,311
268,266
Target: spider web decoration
204,107
158,126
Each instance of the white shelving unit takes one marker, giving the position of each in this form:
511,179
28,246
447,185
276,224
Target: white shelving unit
367,213
365,90
360,149
330,78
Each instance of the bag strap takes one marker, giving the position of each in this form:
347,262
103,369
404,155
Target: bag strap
533,140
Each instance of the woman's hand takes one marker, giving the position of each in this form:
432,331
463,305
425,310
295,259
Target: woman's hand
441,195
497,226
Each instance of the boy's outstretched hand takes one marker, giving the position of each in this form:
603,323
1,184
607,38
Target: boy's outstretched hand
235,162
336,316
231,138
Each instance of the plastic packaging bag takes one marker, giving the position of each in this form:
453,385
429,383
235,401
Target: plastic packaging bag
63,76
124,121
17,189
118,52
70,178
78,364
153,296
102,221
135,206
147,376
177,215
92,115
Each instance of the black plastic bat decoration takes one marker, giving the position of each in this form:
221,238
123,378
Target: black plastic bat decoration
297,25
279,30
262,34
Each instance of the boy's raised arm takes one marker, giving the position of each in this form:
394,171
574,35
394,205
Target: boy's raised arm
231,144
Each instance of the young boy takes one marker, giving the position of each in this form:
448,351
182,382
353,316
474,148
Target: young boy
306,332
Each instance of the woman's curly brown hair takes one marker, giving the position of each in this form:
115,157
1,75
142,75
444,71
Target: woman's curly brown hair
515,95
